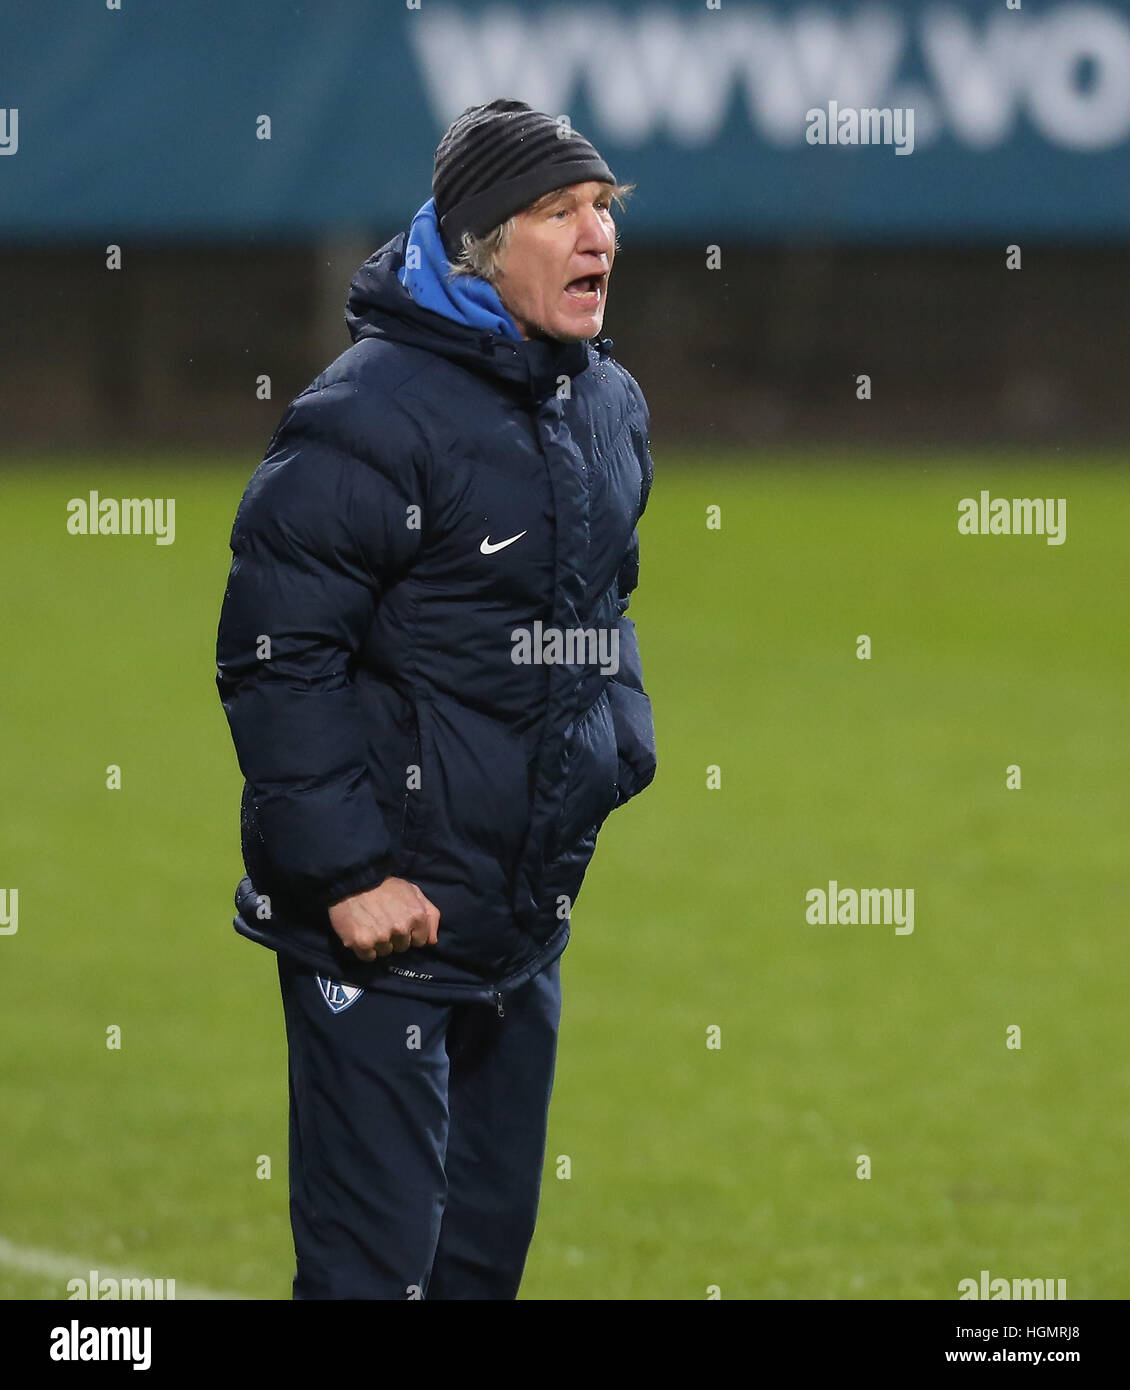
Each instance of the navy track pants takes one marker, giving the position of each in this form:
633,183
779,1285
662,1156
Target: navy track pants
417,1137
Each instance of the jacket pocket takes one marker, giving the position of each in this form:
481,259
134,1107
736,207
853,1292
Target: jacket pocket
473,802
635,739
591,774
390,717
411,814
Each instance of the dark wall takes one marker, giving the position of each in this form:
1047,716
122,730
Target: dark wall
767,348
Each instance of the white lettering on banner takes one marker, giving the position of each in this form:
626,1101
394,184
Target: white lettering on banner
659,73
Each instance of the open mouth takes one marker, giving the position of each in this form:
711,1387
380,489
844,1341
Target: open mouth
589,289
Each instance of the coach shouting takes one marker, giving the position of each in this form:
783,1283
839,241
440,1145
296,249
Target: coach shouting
436,700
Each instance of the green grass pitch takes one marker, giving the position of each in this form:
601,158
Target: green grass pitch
691,1166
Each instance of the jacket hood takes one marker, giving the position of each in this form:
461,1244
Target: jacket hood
380,307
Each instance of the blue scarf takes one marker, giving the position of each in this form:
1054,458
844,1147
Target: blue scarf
465,298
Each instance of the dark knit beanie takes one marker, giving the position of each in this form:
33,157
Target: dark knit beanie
498,158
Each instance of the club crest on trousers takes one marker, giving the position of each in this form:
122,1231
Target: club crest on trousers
338,997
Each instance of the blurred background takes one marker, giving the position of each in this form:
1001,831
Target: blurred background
143,129
245,159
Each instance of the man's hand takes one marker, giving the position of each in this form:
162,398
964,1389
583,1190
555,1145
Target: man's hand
391,917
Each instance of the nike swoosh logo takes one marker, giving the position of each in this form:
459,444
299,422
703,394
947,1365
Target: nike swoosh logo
488,549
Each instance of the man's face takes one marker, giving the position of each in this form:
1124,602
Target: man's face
554,271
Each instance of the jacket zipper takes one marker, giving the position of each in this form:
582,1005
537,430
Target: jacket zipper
498,1003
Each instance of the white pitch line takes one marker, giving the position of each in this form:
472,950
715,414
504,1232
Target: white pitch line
51,1265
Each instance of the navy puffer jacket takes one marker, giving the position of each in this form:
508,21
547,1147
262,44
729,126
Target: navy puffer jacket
432,496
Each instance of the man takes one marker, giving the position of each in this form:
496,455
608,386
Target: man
436,700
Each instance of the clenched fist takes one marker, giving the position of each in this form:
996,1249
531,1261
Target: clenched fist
391,917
